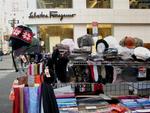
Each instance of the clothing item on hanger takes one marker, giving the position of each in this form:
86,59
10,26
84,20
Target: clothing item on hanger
60,63
16,102
49,100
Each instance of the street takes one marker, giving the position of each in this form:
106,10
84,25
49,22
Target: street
7,75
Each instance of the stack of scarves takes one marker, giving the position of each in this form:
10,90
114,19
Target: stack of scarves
35,69
66,100
35,73
87,89
138,104
40,99
26,100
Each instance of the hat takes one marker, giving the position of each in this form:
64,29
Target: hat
101,46
85,40
69,42
21,36
129,42
142,53
111,41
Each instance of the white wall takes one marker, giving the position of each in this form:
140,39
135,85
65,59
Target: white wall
79,30
79,4
31,4
119,13
89,15
134,22
120,4
140,31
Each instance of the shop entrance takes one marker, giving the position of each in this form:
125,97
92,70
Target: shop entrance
54,34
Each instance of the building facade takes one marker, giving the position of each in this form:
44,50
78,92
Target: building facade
12,14
53,21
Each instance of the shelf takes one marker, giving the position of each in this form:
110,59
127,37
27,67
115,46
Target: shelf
113,63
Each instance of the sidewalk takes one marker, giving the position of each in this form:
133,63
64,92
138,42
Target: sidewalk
6,63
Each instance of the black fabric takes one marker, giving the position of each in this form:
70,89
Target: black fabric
82,73
49,100
50,65
129,74
102,41
60,62
17,43
109,73
148,73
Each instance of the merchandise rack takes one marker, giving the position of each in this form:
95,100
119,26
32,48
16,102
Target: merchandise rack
138,88
57,85
141,88
119,63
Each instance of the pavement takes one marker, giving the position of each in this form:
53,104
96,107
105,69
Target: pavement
7,76
6,63
6,80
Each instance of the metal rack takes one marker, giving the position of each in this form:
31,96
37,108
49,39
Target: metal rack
113,63
139,88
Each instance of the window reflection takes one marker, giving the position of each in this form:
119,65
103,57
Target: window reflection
139,4
103,30
54,3
98,3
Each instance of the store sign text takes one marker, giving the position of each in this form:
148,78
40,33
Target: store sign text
52,14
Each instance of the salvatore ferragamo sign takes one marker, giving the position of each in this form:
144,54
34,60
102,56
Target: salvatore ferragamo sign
51,14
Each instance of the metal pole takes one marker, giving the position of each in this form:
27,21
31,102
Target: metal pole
12,54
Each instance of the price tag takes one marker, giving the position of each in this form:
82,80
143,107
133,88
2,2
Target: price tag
142,72
23,58
47,72
90,107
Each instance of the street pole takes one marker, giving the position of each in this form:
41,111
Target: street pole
13,22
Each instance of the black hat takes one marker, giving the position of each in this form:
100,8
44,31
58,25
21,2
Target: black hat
21,36
104,46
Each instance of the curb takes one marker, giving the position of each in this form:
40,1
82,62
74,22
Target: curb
6,69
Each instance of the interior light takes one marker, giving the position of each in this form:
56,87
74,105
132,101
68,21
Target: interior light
93,3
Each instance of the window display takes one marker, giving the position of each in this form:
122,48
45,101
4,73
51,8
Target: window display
98,3
139,4
54,4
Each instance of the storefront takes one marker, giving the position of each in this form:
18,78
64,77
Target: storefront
52,21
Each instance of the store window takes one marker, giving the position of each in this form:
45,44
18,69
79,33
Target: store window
139,4
54,34
103,30
54,4
98,3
